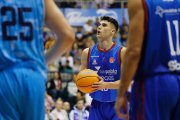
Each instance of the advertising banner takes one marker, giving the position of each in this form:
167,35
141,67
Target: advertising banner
78,17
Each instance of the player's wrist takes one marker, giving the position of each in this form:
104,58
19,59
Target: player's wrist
106,85
109,85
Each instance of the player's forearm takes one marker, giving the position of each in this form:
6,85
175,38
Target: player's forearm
134,45
56,21
113,85
128,69
59,48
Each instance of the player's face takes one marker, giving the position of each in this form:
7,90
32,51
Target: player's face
105,30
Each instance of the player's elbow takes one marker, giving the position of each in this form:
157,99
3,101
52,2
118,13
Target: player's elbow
134,53
69,37
72,35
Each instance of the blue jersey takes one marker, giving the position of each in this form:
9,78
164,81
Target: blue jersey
107,65
21,33
161,48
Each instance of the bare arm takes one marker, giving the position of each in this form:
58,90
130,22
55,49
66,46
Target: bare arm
56,21
134,44
132,54
123,54
84,59
113,85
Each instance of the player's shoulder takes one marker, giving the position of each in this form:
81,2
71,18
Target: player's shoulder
123,48
86,50
135,5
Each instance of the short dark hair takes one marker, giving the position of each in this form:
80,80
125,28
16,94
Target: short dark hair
111,20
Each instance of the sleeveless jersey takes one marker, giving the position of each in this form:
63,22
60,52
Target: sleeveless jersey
21,23
161,48
107,65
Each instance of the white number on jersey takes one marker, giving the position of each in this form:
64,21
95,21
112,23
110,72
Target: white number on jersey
176,25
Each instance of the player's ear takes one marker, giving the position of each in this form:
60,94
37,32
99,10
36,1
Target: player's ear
113,31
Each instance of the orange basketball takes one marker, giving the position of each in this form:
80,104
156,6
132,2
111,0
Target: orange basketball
85,79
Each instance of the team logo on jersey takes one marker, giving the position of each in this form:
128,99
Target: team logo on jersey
94,62
111,60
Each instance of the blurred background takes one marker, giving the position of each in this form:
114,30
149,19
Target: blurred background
82,15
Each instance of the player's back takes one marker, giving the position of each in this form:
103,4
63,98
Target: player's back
161,48
21,33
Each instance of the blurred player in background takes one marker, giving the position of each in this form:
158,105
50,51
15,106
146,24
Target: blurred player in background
153,53
22,63
105,58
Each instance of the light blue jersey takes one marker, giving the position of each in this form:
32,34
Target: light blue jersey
22,64
107,65
21,33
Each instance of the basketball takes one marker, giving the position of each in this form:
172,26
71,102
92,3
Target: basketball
85,79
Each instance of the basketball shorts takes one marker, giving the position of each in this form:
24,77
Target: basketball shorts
156,98
102,111
22,94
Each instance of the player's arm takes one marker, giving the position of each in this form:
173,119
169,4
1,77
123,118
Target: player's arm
56,21
132,53
106,85
134,44
84,59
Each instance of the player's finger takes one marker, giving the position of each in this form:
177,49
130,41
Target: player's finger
125,109
100,78
117,109
95,85
124,116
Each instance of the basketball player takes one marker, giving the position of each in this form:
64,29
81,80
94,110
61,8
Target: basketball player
105,58
22,63
154,56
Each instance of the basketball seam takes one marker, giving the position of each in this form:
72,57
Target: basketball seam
84,86
85,77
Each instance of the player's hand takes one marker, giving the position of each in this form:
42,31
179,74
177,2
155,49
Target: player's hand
121,108
100,85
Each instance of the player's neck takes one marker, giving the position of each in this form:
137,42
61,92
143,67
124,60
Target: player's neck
105,45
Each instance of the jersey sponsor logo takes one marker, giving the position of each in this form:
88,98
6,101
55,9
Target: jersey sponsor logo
111,60
174,65
108,78
94,56
160,11
109,72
